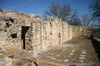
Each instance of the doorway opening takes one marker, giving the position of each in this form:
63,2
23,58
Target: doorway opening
24,30
59,37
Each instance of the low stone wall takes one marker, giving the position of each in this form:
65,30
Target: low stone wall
30,32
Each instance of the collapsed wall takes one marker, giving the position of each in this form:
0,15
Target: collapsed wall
30,32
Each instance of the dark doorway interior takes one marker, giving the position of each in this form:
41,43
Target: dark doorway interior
24,30
59,36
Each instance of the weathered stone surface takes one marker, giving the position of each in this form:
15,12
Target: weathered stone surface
2,63
81,61
2,26
30,32
2,56
73,50
71,53
15,57
59,60
57,55
82,57
12,50
83,52
36,31
53,58
3,18
66,60
16,63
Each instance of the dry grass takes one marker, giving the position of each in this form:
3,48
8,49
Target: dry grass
65,49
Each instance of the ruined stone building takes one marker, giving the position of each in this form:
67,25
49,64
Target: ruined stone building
30,32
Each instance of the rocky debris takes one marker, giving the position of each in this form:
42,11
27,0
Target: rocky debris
59,60
73,50
3,35
3,18
71,53
16,57
81,57
53,58
57,55
66,60
81,61
2,26
83,52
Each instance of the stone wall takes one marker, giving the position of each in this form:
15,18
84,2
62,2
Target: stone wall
30,32
81,31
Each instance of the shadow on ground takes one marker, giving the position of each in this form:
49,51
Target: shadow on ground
96,45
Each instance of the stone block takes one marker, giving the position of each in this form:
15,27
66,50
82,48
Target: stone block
66,60
71,54
83,52
73,50
16,62
82,57
12,50
2,56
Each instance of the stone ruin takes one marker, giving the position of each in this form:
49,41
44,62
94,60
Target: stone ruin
31,33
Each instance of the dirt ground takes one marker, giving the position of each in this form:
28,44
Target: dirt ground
72,52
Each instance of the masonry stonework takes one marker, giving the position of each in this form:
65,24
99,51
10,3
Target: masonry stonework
30,32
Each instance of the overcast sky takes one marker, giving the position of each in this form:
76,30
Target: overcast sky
38,6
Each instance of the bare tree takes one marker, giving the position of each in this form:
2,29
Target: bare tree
74,18
86,20
59,11
95,8
64,12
